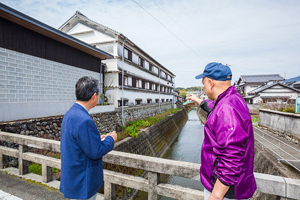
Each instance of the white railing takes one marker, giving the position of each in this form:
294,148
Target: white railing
276,185
279,148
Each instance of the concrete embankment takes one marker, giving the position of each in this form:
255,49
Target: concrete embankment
152,141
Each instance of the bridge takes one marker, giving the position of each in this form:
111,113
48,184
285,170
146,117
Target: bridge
269,184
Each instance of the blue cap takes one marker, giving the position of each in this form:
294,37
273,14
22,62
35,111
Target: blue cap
216,71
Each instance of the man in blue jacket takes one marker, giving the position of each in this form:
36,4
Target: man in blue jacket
82,148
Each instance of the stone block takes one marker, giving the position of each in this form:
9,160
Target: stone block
10,60
270,184
293,188
11,78
5,54
10,68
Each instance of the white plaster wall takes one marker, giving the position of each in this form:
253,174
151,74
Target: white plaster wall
109,48
79,28
32,87
141,73
132,95
89,37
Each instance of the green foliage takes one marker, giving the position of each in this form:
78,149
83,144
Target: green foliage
133,128
37,169
289,110
182,93
56,156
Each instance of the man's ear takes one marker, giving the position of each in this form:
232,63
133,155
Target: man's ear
94,96
211,83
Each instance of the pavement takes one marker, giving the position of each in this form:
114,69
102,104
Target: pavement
28,187
15,188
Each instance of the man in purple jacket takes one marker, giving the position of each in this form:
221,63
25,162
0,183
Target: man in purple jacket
228,148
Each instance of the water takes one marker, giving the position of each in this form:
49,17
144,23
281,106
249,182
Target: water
187,147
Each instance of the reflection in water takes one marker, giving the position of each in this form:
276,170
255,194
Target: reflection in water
187,147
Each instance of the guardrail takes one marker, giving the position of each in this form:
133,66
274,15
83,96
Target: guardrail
281,153
276,185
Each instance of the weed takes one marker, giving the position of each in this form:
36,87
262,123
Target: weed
37,169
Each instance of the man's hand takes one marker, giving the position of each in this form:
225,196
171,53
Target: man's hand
113,135
219,191
194,98
103,136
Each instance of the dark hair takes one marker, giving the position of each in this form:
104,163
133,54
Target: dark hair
86,87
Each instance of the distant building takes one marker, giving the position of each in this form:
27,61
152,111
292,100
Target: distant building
273,93
291,81
146,81
247,83
39,67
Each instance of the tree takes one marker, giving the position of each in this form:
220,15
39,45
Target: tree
182,93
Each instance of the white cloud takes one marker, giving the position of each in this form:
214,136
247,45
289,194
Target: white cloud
255,37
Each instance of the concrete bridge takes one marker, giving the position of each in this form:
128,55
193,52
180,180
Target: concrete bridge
269,184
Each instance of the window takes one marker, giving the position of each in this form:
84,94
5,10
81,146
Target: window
156,100
149,101
125,102
167,100
128,54
143,85
162,100
125,80
133,82
150,67
141,62
120,79
170,100
138,101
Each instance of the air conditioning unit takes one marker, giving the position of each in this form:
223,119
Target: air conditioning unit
109,99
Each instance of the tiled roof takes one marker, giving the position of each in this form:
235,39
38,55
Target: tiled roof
292,80
257,90
264,78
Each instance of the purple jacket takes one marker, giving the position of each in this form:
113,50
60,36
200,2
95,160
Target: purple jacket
228,146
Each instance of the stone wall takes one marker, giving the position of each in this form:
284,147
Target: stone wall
107,121
286,123
154,140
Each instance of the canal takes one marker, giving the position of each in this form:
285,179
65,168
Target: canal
187,147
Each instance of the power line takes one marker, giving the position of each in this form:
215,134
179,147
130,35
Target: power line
170,31
185,30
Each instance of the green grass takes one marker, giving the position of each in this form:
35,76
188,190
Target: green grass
133,128
37,169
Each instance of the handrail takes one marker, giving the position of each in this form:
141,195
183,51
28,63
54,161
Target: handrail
269,184
280,157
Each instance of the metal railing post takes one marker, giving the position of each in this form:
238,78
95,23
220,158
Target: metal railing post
279,153
263,141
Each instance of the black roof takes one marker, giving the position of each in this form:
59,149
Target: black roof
37,26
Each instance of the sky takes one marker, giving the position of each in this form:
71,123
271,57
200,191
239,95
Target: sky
252,37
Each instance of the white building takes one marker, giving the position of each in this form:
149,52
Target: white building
247,83
145,79
39,67
273,93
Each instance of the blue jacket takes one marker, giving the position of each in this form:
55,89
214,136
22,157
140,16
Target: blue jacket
81,154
